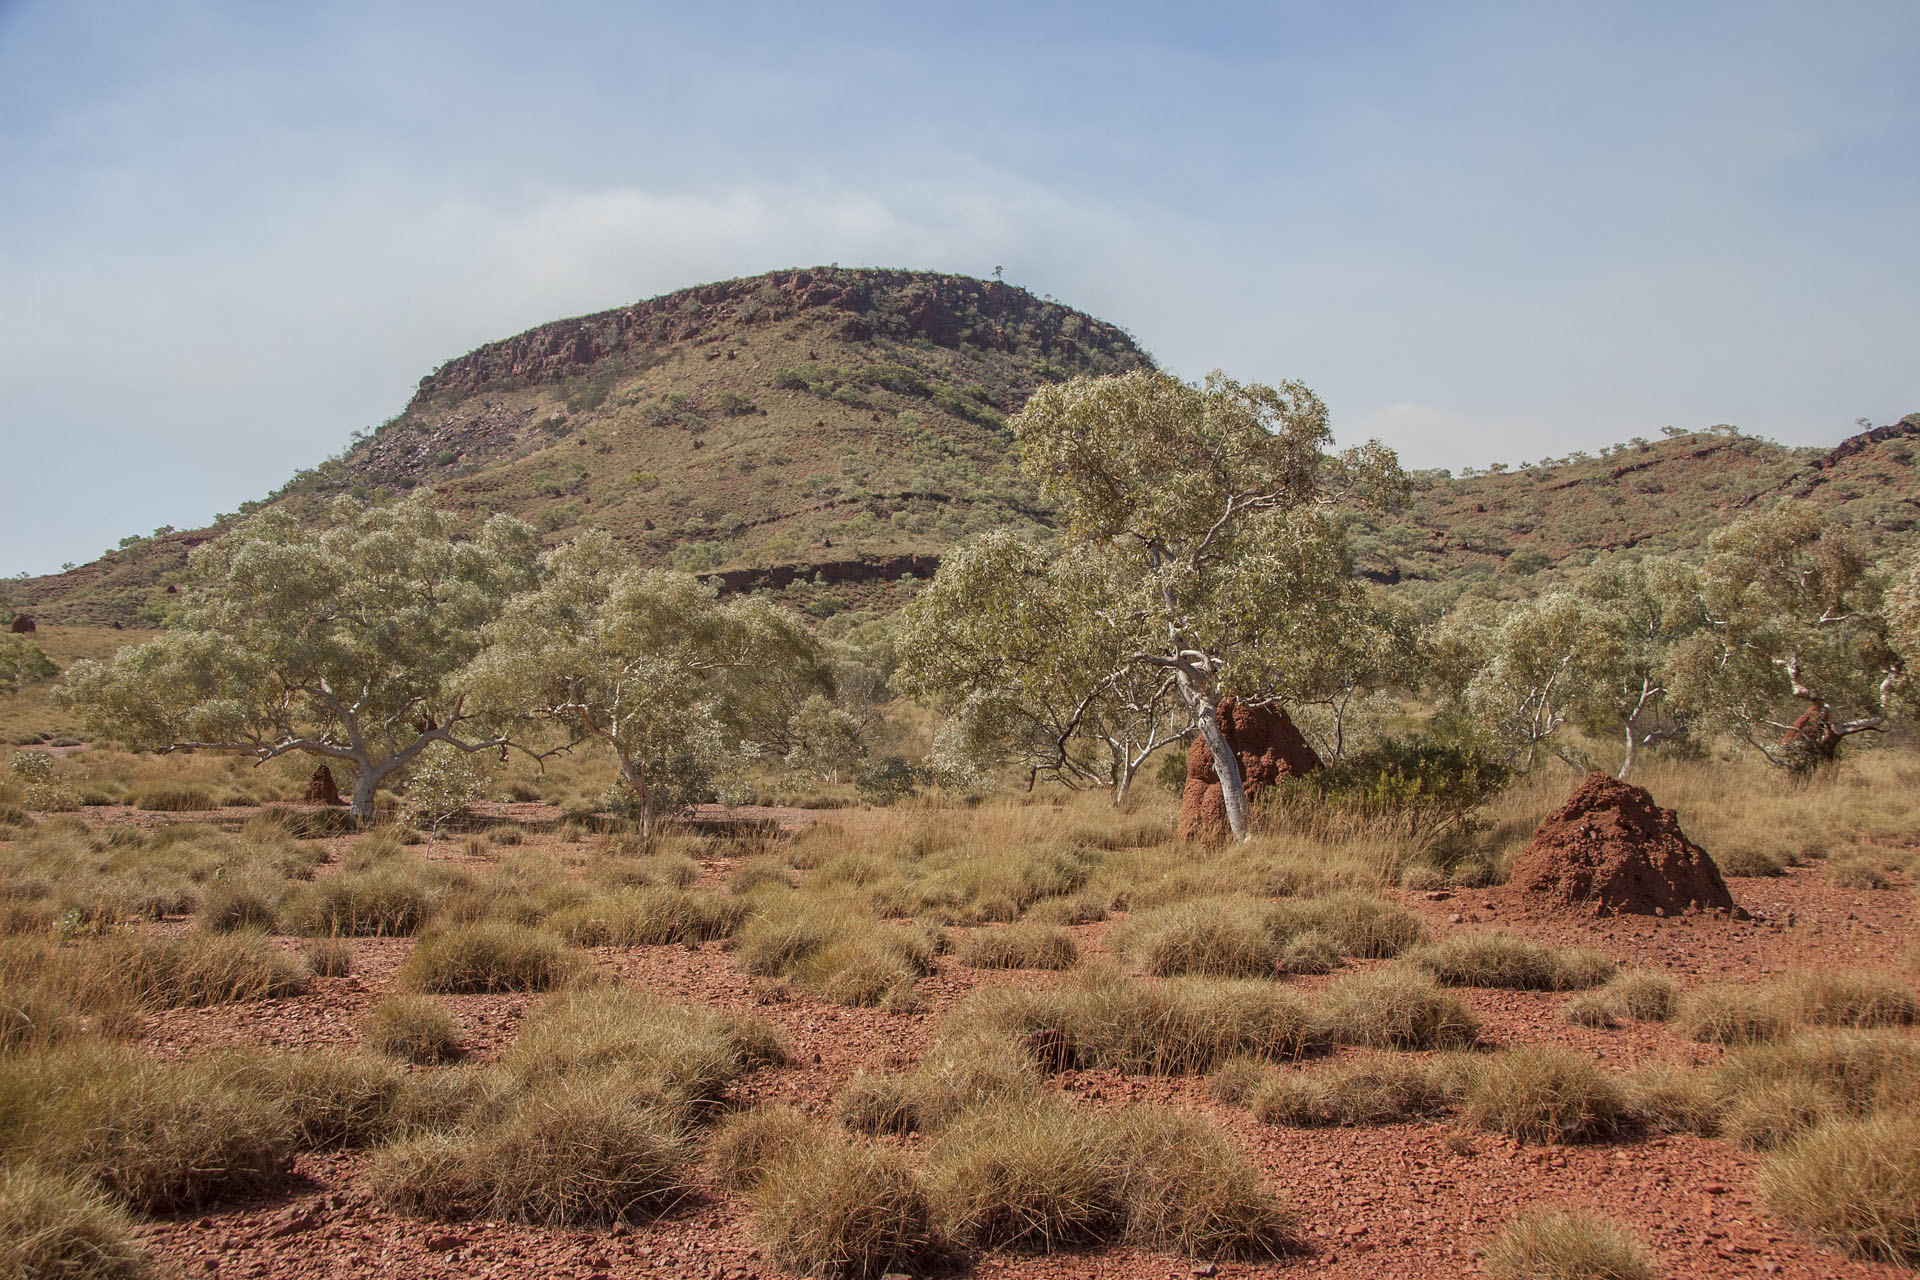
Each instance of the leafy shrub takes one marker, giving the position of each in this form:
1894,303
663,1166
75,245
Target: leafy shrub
1563,1244
413,1029
1543,1093
1437,782
1396,1008
486,958
443,783
52,1226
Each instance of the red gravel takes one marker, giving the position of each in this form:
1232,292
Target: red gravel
1411,1200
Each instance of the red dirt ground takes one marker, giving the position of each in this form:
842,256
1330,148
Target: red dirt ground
1410,1200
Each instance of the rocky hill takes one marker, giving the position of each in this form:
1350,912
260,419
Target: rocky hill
824,433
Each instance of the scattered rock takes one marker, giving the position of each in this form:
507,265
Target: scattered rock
322,789
1610,849
1268,747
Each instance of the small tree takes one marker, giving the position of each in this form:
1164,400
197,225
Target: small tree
649,663
1795,655
339,641
1217,501
22,662
1030,649
824,739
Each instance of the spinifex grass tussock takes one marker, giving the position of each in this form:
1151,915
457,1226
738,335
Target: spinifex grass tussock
1543,1093
1645,995
1665,1097
248,900
759,873
1828,998
967,1067
653,870
1728,1014
1566,1244
1244,937
1018,946
329,957
157,1136
1035,1175
1188,1189
416,1029
831,946
55,1228
332,1100
1502,960
832,1208
172,799
1180,1026
745,1143
1377,1088
1853,1184
524,888
1855,872
877,1102
571,1153
649,917
489,957
392,897
1770,1092
684,1057
133,970
1396,1008
1597,1009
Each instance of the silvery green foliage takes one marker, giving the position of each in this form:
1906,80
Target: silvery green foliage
340,640
443,784
674,682
824,739
1202,558
22,662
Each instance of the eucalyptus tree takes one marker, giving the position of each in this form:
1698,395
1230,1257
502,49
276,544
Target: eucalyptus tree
1029,649
675,683
1797,654
339,640
1216,503
22,662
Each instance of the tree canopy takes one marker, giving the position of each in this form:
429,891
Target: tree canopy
340,641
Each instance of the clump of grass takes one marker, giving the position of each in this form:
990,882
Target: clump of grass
649,917
1771,1118
1396,1008
1236,1080
845,955
573,1153
1381,1088
332,1100
414,1029
52,1226
330,957
1847,998
489,957
1597,1009
1502,960
1180,1026
1543,1093
1019,946
158,1137
1363,925
1665,1097
832,1208
1857,1072
1188,1190
682,1057
1312,952
242,902
1243,937
1036,1175
876,1102
759,873
1566,1244
1853,1184
1856,872
745,1143
172,799
390,897
1645,995
1725,1014
32,1016
190,971
967,1067
1749,860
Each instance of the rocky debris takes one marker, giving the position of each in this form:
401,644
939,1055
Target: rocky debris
1268,747
1610,849
322,789
23,625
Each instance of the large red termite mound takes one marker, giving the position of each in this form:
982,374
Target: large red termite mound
1268,747
1610,849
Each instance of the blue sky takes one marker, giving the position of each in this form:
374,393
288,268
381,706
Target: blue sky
231,234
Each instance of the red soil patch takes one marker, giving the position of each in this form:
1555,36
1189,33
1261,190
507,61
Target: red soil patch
1268,747
1611,850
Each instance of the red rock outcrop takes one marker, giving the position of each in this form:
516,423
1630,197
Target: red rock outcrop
1610,849
1268,747
322,789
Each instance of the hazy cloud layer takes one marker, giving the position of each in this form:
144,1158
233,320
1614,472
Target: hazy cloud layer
230,234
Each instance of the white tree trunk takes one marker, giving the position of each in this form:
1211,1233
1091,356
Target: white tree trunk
1226,765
